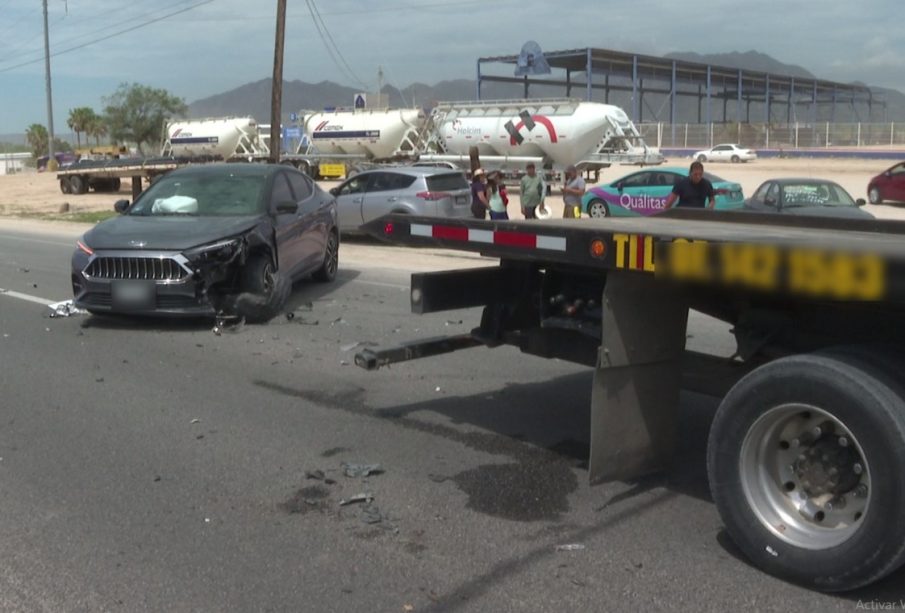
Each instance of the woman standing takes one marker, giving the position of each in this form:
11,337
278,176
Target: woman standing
495,200
479,204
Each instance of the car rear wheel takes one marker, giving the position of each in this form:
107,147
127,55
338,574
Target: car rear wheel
736,159
327,271
702,158
873,194
597,208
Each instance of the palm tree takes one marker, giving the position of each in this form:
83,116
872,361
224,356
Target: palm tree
97,128
36,136
80,120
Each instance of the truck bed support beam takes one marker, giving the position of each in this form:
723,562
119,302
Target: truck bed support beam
636,385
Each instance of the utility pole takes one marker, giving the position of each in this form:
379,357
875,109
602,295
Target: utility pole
51,158
277,91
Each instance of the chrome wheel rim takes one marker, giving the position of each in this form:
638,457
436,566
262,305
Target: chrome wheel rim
805,476
596,209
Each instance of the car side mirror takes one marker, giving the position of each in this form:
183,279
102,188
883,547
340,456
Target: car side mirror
860,201
121,206
287,208
887,174
334,191
770,201
620,186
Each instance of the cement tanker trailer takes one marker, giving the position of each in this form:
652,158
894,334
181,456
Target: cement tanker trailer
223,138
555,133
373,135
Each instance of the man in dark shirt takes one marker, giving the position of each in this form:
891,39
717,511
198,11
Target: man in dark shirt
692,191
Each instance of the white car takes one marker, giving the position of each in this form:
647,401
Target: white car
726,153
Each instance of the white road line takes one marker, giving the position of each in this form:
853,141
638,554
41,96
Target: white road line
26,297
36,240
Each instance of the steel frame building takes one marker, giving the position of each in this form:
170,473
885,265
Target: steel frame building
731,88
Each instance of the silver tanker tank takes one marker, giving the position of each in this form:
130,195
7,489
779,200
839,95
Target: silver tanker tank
225,138
373,134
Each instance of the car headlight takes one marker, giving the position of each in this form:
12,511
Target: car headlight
84,248
220,251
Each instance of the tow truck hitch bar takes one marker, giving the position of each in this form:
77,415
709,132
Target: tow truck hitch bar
374,359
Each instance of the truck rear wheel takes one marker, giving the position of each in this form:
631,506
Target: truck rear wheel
65,185
78,184
800,460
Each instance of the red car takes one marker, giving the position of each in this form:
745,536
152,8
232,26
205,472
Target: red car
888,186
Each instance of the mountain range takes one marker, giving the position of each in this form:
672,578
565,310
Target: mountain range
254,98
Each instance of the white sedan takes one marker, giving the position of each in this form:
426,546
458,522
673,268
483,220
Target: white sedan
726,153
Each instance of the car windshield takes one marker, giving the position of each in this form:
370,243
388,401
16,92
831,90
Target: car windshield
814,194
211,195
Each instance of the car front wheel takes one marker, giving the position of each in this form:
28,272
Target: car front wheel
873,195
264,289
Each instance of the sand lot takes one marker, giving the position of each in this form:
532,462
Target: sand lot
28,194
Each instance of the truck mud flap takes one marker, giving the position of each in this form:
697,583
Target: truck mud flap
635,394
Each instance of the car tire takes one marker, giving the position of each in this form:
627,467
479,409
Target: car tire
327,272
264,289
598,209
702,158
735,159
874,196
766,469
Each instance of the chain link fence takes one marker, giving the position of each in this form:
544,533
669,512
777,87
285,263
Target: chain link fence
774,136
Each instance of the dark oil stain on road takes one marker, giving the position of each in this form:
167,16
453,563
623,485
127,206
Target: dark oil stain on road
527,491
306,500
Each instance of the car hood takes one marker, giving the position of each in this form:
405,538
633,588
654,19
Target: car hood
165,233
843,212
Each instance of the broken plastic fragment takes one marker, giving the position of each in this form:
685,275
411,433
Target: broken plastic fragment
361,470
357,344
370,513
64,309
363,497
570,547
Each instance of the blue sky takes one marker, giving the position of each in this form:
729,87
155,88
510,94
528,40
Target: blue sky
198,48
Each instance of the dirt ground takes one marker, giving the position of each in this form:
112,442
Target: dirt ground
30,194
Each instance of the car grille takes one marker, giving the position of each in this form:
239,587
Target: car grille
151,269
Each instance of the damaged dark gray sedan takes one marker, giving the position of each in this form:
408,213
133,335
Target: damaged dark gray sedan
209,240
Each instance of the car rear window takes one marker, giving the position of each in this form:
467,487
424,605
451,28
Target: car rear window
447,182
714,178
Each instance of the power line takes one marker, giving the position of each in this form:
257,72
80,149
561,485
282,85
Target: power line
65,41
117,33
345,63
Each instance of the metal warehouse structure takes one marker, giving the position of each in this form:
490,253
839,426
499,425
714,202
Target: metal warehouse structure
654,86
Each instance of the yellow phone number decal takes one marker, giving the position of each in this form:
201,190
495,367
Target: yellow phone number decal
810,271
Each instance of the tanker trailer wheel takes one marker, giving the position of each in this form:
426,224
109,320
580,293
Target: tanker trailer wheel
115,184
598,208
804,460
65,185
702,158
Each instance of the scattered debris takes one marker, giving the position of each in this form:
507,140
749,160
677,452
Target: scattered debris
99,380
363,497
228,323
290,316
361,470
370,514
344,362
196,421
314,474
438,478
156,478
570,547
64,309
457,322
199,437
23,269
338,320
437,389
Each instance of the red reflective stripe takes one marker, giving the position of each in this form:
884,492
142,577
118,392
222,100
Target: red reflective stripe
450,232
515,239
640,262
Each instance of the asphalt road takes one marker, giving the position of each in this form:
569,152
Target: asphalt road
149,465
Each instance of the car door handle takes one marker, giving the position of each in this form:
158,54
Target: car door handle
392,199
358,200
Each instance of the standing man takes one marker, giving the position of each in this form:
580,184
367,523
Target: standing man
692,191
532,191
479,204
572,192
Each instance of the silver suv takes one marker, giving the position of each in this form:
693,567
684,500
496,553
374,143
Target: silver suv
431,191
